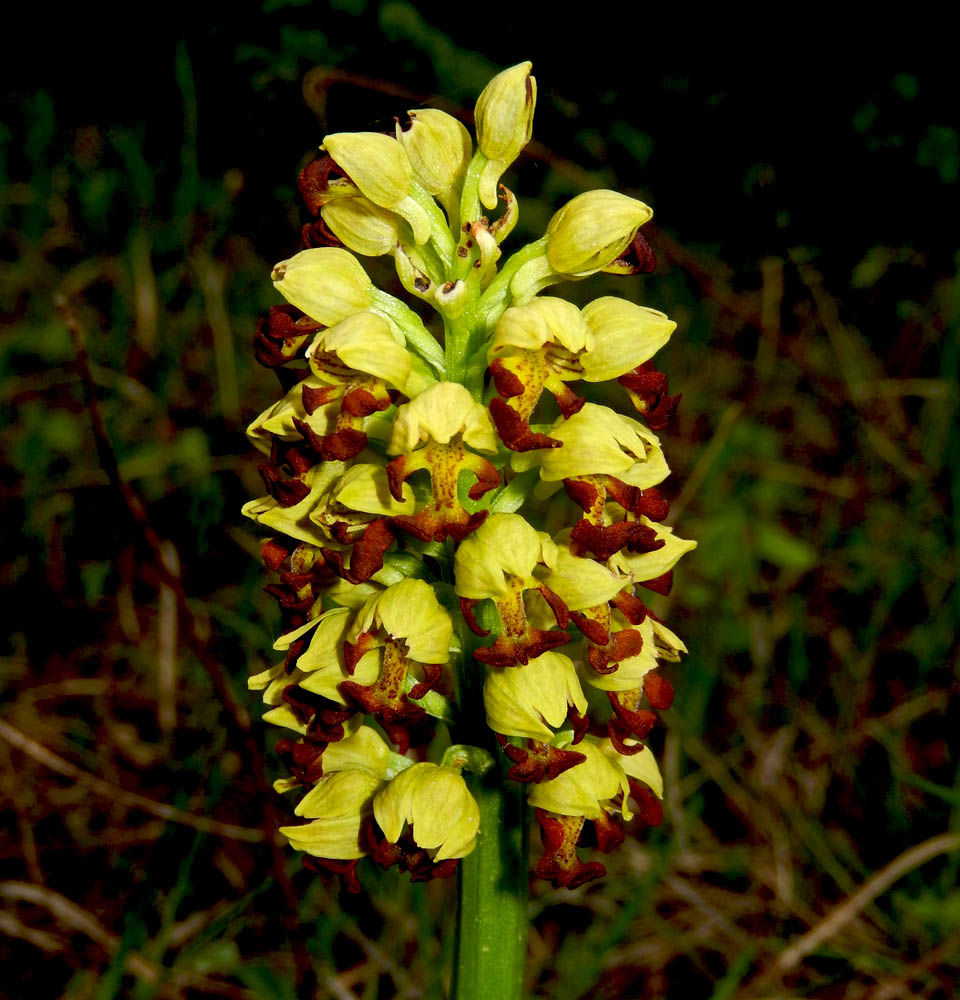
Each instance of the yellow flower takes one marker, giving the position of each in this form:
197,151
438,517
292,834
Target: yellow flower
435,801
337,805
625,335
365,343
505,546
430,433
599,784
439,414
409,614
533,700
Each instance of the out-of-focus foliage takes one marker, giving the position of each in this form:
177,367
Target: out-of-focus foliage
807,254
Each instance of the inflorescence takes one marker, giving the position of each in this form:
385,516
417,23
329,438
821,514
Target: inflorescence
449,517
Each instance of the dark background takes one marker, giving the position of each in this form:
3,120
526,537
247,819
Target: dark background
805,188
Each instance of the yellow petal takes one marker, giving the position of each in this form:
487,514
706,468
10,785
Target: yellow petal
363,227
327,283
541,321
580,583
364,488
439,414
598,441
529,700
410,610
376,163
625,335
586,789
326,679
503,544
365,750
592,230
365,343
338,804
630,672
640,566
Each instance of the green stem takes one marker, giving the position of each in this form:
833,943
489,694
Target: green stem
497,297
491,945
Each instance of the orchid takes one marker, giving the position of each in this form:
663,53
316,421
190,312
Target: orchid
463,541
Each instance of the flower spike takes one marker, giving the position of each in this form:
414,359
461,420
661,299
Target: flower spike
462,540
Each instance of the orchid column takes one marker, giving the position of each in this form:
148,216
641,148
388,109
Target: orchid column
462,542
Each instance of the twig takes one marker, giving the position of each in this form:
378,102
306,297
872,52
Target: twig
11,926
947,949
75,918
847,910
21,803
167,645
109,790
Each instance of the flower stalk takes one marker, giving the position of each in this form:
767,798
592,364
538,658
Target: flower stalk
462,543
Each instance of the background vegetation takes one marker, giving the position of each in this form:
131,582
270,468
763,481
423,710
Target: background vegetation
804,192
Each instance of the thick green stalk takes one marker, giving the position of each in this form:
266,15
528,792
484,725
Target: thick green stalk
491,944
493,880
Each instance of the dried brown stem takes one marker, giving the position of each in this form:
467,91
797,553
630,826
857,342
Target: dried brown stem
849,908
99,786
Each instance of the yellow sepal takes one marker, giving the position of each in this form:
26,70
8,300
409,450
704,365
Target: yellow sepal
435,800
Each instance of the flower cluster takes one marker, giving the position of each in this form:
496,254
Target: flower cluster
443,500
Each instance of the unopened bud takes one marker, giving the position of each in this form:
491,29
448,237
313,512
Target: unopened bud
327,283
438,148
362,226
592,230
504,120
379,167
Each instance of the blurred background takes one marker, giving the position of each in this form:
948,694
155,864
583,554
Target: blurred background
805,189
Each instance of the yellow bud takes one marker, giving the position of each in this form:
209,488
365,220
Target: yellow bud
376,163
380,169
592,230
438,148
362,226
504,121
435,800
327,283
